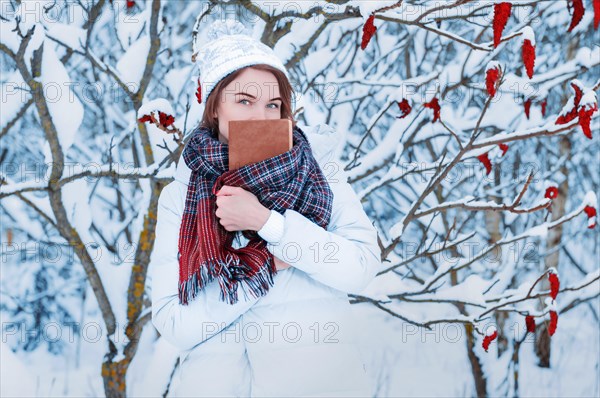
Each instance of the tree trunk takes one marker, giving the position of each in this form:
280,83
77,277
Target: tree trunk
542,344
476,369
515,364
492,225
114,374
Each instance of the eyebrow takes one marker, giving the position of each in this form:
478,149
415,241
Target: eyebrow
253,97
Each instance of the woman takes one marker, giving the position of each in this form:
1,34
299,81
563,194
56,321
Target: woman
291,331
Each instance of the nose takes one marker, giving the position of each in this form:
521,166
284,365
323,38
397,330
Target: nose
259,114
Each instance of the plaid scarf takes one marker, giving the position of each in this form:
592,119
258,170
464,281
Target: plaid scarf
292,180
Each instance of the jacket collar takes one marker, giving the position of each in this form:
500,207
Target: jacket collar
323,139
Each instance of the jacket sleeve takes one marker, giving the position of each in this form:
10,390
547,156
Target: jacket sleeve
346,256
184,326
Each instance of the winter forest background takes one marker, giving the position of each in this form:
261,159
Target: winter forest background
472,147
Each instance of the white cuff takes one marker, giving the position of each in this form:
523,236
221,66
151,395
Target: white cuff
272,231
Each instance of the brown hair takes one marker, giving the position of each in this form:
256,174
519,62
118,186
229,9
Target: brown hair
212,102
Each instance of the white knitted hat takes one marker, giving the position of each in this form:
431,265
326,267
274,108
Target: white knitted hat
228,49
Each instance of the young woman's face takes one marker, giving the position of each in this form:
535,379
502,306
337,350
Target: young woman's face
254,95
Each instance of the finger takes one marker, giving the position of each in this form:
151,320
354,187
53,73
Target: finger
222,201
228,190
225,190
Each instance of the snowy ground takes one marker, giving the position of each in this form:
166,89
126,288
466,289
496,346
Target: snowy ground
435,363
406,362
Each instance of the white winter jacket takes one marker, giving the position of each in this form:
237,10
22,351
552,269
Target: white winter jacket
298,340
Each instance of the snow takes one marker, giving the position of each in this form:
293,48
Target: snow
588,99
28,19
448,76
416,352
478,151
288,45
65,108
75,196
411,10
177,81
18,211
584,57
550,305
368,6
13,97
158,104
115,279
8,37
396,230
29,15
470,290
402,358
17,380
386,149
274,7
579,84
72,36
590,277
590,199
528,34
317,62
569,105
540,230
74,373
129,26
510,136
132,64
146,376
566,376
493,65
169,172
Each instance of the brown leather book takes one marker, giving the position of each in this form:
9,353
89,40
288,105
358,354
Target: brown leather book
252,141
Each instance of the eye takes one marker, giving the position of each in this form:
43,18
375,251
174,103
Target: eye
240,101
276,106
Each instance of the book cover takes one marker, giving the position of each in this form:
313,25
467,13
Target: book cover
252,141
